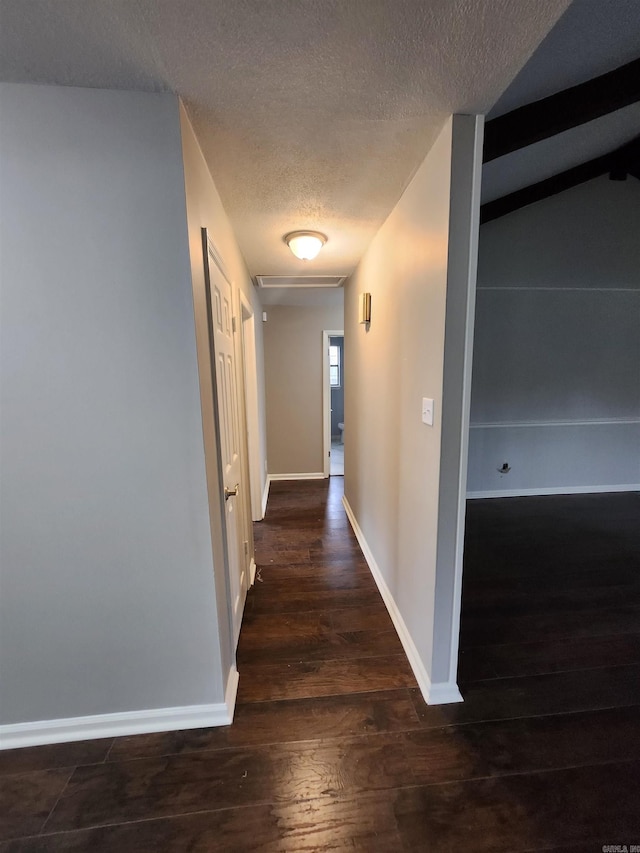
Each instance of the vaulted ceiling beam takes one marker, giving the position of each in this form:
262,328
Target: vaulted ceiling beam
562,111
622,161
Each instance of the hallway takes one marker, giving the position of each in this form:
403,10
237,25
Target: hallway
332,747
315,624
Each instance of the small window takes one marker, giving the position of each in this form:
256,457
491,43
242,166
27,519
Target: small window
334,367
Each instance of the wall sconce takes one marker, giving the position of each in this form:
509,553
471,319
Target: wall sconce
305,244
365,308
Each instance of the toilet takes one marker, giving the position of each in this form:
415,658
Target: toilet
341,428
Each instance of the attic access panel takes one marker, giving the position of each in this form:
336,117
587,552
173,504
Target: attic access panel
300,280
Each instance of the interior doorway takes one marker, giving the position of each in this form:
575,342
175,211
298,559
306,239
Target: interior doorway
222,350
334,425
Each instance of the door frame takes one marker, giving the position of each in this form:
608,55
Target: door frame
326,397
246,316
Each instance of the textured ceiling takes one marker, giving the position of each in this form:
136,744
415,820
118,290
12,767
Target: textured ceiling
312,114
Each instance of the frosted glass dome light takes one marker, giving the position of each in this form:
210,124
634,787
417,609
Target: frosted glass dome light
305,244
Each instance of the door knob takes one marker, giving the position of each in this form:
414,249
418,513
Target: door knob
229,493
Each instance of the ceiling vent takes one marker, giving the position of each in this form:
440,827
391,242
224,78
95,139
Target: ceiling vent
300,280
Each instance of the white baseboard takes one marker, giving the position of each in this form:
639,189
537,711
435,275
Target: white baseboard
230,693
252,572
444,693
438,693
122,724
315,475
265,496
552,490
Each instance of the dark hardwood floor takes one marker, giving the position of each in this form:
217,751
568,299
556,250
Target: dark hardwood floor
333,748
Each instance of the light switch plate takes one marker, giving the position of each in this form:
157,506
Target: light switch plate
427,411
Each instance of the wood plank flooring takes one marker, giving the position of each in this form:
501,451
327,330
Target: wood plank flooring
332,747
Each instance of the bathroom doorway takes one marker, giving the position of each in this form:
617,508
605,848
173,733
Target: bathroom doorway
333,348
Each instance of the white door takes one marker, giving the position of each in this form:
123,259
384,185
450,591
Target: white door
229,435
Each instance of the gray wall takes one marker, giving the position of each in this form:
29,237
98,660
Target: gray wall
337,394
108,601
402,478
556,374
293,381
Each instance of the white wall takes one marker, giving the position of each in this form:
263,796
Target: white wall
556,375
293,357
402,478
108,601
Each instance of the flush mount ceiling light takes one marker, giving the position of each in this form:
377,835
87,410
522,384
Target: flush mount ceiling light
305,244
